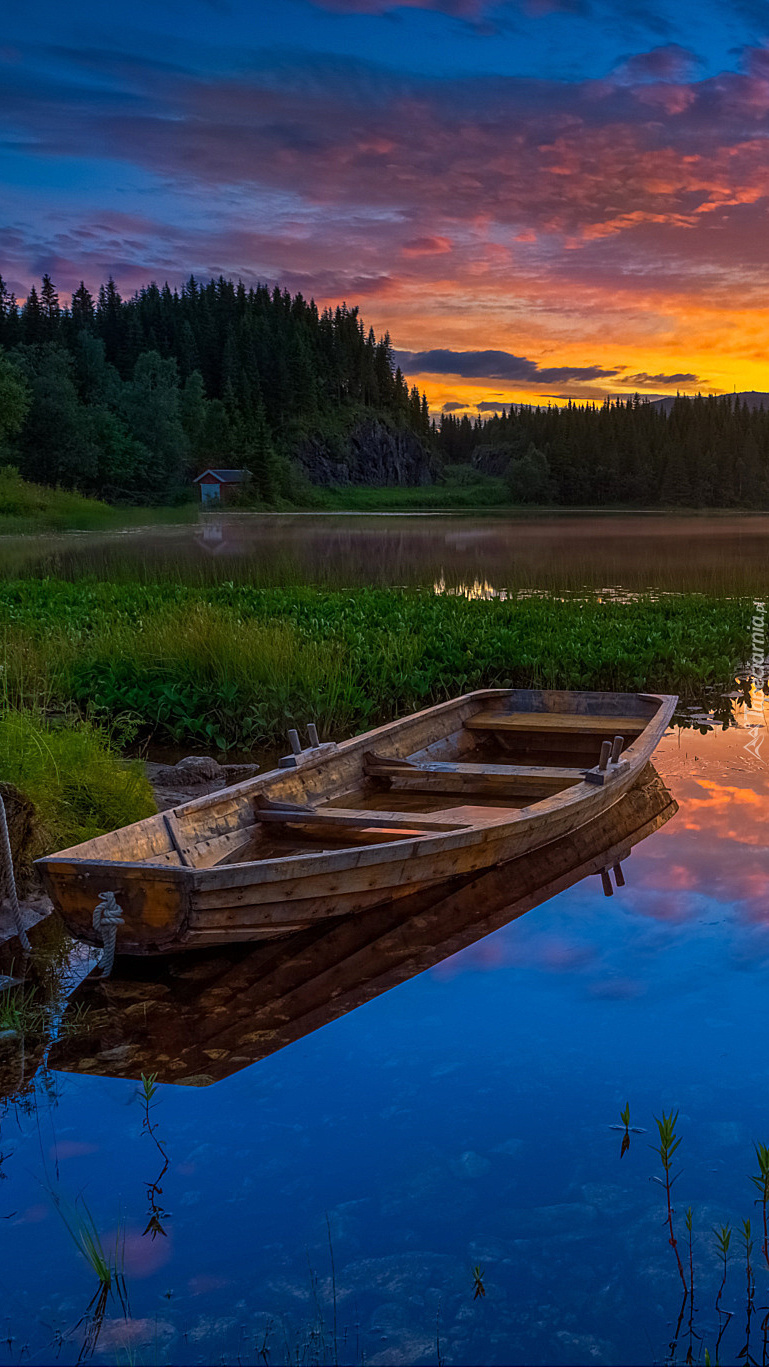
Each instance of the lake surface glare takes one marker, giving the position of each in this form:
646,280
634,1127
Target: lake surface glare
340,1199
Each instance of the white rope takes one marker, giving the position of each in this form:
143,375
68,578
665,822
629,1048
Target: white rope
107,917
9,879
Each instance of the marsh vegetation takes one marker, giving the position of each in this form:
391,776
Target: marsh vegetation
232,666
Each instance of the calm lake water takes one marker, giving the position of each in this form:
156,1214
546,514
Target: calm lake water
461,1120
480,554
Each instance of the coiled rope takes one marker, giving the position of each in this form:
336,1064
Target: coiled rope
107,917
9,880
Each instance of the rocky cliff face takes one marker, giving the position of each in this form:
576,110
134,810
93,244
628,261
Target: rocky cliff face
372,454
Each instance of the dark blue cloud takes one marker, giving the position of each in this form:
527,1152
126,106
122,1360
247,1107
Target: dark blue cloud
495,365
644,381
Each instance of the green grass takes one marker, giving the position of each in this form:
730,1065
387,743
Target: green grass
21,1013
24,505
79,784
234,666
27,507
489,494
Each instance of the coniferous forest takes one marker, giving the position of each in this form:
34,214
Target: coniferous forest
128,399
710,452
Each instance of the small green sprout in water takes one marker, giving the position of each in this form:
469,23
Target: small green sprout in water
156,1214
689,1222
746,1236
761,1183
669,1142
480,1289
723,1238
627,1129
149,1086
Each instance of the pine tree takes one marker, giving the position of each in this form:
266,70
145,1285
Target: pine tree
49,307
32,319
82,310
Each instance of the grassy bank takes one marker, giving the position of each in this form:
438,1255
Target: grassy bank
74,776
235,666
27,507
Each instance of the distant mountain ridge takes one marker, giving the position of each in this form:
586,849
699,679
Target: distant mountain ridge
753,398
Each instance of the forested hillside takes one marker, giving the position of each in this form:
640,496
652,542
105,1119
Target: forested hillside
704,452
128,398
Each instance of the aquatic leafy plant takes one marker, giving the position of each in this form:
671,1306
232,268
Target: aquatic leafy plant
669,1142
230,665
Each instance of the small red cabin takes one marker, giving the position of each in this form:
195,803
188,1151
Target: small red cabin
218,486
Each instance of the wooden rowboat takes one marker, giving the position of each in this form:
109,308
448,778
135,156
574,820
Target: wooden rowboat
218,1011
450,791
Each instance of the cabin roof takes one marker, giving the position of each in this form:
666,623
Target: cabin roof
225,476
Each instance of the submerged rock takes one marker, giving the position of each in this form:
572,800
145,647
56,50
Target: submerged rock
192,777
198,769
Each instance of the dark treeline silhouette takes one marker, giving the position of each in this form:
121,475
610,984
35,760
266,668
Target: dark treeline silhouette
705,452
128,398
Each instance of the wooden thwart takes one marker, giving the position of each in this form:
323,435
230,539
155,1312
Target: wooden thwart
353,817
534,780
555,721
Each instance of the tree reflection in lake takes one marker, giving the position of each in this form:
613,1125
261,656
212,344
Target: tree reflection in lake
576,552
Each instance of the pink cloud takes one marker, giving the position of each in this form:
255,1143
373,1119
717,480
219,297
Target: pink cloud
426,246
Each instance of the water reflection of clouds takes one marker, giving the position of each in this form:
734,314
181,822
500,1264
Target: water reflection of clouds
696,888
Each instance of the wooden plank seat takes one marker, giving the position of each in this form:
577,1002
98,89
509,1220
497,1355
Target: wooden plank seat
233,845
357,818
501,779
556,722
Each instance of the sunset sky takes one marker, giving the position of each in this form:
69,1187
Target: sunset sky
538,198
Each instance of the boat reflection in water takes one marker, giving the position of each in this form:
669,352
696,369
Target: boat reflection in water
201,1017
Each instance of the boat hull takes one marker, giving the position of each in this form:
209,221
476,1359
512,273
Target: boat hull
175,886
235,1006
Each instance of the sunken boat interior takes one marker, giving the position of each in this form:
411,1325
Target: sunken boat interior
473,761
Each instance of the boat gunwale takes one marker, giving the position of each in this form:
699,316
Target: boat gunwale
286,868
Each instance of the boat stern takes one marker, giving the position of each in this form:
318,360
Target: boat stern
154,902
